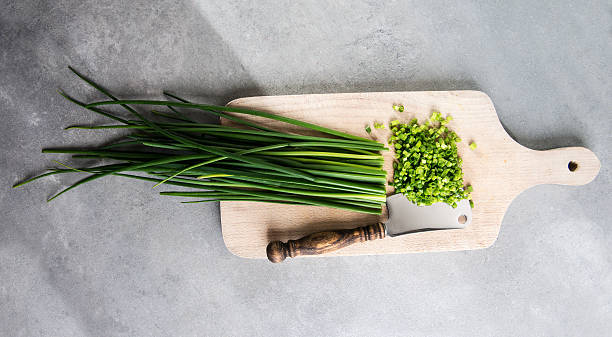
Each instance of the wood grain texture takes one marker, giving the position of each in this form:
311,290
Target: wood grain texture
499,169
324,242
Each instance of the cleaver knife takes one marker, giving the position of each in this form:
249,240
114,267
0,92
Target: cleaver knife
405,217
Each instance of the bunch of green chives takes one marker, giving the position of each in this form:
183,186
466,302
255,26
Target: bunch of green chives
222,163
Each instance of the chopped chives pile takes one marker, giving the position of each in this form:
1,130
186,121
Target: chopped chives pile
427,168
223,163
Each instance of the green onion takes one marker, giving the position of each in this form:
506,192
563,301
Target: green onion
427,168
378,125
223,163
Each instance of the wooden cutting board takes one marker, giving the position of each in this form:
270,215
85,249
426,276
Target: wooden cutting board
498,169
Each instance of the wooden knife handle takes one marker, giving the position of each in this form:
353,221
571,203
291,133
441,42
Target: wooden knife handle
323,242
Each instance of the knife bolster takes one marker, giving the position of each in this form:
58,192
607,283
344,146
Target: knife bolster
323,242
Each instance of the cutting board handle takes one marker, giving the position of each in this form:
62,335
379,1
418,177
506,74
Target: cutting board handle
565,166
323,242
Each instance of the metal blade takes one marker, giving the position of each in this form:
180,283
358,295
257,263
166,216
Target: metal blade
406,217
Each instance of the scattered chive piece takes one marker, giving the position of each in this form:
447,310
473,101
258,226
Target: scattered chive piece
378,125
399,108
368,129
427,168
473,145
471,203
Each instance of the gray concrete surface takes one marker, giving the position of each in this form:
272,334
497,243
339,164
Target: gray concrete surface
116,259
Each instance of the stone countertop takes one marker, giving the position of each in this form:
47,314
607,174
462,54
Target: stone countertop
113,258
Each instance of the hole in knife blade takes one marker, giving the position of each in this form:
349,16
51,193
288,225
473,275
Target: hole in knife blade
462,219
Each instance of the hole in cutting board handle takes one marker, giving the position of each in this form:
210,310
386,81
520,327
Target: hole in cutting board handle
572,166
462,219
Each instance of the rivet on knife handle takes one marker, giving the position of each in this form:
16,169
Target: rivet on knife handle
323,242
